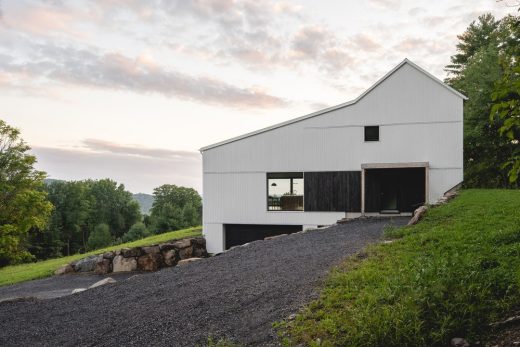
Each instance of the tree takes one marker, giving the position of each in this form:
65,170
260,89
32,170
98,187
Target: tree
100,237
480,33
175,208
71,210
474,70
506,96
113,205
23,203
137,231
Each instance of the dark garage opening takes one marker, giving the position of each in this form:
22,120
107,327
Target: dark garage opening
394,190
239,234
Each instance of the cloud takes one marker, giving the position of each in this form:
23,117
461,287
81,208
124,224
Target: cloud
385,4
141,75
428,47
417,11
135,150
321,47
435,20
139,173
366,42
47,18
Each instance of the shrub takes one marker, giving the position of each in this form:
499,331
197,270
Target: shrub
137,231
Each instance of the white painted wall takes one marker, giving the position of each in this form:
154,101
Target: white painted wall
420,121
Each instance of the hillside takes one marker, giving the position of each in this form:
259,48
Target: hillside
451,275
145,202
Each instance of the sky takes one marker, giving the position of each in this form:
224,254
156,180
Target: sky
131,89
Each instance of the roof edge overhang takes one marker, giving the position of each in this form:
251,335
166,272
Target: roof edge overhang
336,107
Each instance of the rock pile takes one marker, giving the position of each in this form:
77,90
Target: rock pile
419,213
150,258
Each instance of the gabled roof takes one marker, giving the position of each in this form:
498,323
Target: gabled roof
333,108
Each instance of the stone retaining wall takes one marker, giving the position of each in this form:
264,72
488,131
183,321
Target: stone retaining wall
149,258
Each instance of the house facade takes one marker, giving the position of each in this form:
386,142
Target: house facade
395,147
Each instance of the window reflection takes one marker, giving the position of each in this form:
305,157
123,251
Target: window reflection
285,191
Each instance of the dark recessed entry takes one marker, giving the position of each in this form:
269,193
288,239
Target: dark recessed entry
239,234
394,190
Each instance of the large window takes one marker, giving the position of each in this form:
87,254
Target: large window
285,191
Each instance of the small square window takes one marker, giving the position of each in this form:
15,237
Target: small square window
372,133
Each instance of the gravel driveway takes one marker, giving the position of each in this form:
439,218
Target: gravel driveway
237,295
56,286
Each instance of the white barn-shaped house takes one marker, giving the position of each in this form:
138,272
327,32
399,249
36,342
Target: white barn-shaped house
395,147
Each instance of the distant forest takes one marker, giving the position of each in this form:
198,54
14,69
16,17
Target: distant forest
145,201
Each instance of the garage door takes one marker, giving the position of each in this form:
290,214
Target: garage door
239,234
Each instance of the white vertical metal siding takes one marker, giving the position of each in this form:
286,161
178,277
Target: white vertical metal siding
419,119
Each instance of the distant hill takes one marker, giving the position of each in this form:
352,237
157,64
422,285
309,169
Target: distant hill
145,201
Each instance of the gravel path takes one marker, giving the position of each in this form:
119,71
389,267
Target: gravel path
55,286
238,294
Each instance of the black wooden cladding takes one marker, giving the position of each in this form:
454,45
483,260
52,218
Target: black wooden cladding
333,191
410,184
239,234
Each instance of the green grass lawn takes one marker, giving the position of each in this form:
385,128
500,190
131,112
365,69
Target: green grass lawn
448,276
25,272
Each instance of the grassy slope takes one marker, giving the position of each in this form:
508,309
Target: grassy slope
25,272
450,275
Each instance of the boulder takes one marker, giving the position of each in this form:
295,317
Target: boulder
151,250
182,243
122,264
171,257
186,253
87,264
417,215
450,195
199,251
459,342
109,255
166,246
103,282
187,261
78,290
65,269
103,266
199,241
150,262
131,252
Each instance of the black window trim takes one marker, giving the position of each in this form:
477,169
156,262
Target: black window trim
292,175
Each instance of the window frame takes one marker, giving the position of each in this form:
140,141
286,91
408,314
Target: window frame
366,127
285,175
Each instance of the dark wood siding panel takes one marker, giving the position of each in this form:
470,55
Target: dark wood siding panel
333,191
